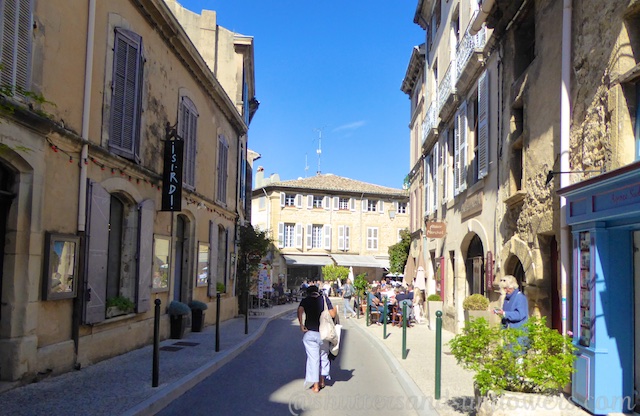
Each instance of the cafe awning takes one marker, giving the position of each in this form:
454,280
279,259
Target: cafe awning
299,260
356,260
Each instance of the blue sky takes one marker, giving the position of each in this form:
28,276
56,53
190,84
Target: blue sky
334,66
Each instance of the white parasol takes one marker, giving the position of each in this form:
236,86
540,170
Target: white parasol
351,275
420,279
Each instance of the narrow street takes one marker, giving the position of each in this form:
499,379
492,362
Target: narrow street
268,378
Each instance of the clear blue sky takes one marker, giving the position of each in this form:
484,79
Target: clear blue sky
334,65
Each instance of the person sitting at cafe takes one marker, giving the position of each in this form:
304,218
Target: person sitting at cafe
375,301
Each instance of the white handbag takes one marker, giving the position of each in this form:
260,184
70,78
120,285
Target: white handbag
327,327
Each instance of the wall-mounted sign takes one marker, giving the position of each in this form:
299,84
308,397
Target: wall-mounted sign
172,176
436,229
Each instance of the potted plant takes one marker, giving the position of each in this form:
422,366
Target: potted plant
514,364
197,315
434,303
178,314
119,305
476,306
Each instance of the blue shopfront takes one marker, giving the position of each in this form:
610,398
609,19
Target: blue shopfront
604,216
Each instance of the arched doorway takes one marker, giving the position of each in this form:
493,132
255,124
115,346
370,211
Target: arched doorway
474,265
7,180
515,268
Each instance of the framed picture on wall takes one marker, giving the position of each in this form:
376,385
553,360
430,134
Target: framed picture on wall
60,266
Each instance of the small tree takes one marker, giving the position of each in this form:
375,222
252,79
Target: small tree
399,252
331,273
254,245
361,285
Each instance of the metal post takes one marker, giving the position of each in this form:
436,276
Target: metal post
384,319
366,294
404,330
246,312
217,322
156,344
438,352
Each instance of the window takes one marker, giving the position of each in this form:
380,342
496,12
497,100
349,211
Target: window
524,42
343,204
460,151
317,201
316,236
372,205
372,238
343,237
223,155
402,207
126,96
187,130
15,45
120,251
289,235
289,200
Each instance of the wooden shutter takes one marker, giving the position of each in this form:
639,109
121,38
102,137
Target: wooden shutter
325,203
298,201
346,238
187,129
146,214
380,206
464,160
280,234
309,236
483,124
435,175
97,236
352,204
326,234
336,203
126,94
427,183
445,166
213,257
365,202
282,198
16,31
309,201
341,237
298,236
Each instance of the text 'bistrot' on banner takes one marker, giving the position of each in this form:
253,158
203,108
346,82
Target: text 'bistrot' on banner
172,176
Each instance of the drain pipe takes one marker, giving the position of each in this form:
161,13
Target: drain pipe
565,130
86,107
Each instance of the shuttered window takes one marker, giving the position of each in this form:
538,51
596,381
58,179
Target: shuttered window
15,55
126,96
483,124
187,130
223,155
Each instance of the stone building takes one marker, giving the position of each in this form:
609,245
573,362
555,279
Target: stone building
86,217
328,219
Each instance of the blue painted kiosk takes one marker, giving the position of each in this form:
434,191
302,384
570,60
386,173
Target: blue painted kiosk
604,216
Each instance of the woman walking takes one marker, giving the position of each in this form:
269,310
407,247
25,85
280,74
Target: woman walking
318,366
347,293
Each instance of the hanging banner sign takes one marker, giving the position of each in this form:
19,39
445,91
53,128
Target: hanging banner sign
172,176
436,229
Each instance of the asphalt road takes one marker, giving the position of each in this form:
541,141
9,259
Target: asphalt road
267,379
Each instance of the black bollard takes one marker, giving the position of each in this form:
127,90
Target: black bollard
156,345
217,322
404,330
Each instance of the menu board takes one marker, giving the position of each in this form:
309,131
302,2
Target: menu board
586,289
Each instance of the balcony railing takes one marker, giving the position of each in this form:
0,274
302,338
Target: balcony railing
447,86
468,45
430,121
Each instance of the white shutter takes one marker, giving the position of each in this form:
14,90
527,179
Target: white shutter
282,197
464,160
364,204
341,237
336,203
346,238
445,166
298,201
434,174
280,234
483,125
427,184
381,206
352,204
456,154
309,236
298,237
327,236
309,201
325,203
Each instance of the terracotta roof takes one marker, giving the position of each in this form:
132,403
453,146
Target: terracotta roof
329,182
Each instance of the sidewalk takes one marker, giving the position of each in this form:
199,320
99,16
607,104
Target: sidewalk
122,385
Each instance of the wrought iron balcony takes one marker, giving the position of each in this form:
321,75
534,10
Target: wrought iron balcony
469,57
430,124
447,91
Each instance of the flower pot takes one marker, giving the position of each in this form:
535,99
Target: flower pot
197,320
510,403
178,325
432,307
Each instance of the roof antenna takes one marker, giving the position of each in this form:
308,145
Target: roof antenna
306,165
319,150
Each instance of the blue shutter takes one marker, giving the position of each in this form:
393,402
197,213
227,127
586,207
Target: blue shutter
16,33
99,206
146,213
126,95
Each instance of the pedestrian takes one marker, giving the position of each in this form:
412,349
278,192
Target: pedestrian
515,308
347,293
318,366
